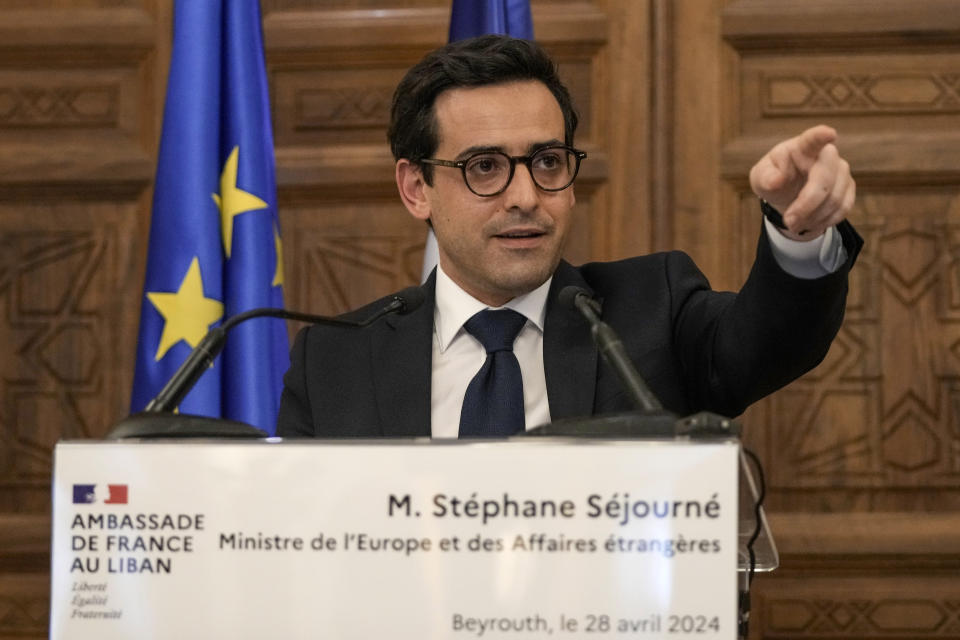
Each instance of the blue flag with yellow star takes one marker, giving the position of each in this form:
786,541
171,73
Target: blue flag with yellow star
215,238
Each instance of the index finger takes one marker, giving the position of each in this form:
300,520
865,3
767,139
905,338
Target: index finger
811,141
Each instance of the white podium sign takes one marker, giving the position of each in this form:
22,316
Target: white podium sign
518,539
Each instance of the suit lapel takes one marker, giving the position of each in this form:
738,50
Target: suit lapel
569,355
402,354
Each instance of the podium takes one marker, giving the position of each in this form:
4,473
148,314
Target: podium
528,537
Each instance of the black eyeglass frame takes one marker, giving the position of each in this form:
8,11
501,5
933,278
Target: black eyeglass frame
525,160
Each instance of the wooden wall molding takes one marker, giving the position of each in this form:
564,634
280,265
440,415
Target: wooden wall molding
880,158
67,28
75,96
348,31
841,24
343,108
811,534
60,106
839,613
855,93
861,575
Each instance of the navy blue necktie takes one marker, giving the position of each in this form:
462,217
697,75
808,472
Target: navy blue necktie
493,404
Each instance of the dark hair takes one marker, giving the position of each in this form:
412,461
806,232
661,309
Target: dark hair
475,62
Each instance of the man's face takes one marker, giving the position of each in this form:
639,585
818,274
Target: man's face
498,247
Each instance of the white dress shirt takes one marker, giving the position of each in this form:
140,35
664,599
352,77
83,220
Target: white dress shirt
807,260
458,356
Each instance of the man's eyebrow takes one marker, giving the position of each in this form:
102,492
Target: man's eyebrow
469,151
536,146
531,149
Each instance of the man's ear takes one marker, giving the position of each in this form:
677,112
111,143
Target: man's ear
411,185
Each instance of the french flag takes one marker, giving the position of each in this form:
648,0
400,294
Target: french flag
87,494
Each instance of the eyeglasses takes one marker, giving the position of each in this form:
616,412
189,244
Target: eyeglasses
488,173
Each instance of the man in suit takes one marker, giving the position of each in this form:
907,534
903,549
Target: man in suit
483,131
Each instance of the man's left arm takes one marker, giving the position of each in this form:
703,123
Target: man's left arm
783,320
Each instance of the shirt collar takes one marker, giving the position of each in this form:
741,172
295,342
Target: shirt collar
454,307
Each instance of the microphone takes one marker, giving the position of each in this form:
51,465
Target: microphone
203,355
611,348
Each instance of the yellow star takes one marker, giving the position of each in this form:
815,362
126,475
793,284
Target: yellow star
233,201
187,313
278,275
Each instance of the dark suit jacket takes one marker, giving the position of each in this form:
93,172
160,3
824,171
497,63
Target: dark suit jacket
698,349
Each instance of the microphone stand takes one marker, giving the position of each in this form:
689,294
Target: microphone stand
158,419
650,419
612,351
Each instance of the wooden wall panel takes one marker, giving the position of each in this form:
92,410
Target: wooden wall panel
879,416
76,162
678,98
862,607
862,453
860,421
861,575
62,269
81,86
24,605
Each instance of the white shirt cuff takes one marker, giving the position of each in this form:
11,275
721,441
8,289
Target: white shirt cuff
807,260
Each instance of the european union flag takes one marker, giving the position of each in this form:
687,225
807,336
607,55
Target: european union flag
215,238
468,19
